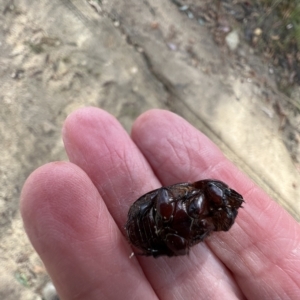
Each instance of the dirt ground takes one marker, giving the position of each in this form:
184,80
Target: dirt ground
127,57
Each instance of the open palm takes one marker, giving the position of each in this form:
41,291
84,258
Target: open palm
74,214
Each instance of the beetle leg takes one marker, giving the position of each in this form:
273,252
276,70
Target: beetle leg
164,204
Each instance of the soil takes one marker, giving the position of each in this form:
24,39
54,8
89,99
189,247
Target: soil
126,58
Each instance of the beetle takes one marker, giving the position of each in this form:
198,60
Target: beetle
170,220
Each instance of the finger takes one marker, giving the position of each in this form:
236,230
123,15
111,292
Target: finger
262,249
71,229
97,143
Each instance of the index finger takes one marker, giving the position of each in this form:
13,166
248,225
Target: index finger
262,249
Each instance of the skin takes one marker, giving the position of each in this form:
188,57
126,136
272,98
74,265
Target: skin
74,214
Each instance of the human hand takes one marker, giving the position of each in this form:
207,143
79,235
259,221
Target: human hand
74,214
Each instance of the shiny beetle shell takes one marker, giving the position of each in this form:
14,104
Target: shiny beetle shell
169,220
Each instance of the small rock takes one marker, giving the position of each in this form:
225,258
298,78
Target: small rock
49,292
232,40
172,46
257,31
48,127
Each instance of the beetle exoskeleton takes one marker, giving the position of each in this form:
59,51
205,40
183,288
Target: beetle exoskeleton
169,220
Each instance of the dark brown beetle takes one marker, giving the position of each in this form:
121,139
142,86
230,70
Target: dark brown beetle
169,220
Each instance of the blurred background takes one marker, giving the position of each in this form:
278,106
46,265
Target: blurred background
231,68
